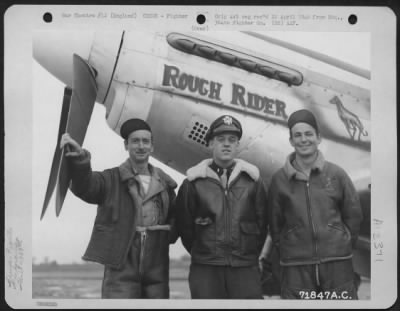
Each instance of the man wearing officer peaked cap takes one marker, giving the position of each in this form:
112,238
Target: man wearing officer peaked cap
315,217
223,124
221,218
134,223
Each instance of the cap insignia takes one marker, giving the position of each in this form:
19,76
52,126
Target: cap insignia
227,120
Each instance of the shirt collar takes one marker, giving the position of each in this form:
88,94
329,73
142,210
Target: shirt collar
219,170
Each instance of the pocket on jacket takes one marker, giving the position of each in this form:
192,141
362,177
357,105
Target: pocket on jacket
338,232
338,227
101,242
203,221
205,241
249,238
296,243
338,241
290,230
99,227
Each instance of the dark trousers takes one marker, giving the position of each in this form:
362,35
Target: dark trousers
330,280
145,276
224,282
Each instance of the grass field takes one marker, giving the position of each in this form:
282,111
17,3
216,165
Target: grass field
67,287
84,281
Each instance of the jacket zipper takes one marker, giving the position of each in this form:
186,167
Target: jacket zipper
227,213
228,222
310,217
143,236
228,218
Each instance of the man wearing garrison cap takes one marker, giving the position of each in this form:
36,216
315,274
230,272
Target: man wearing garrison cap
134,223
315,218
221,219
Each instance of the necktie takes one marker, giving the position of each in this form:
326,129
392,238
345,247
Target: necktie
224,177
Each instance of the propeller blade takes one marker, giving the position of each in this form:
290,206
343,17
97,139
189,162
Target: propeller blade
57,152
84,92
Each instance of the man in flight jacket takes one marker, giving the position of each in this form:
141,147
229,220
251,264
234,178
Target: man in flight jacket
134,223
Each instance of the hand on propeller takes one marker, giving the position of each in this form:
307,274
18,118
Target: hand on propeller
72,148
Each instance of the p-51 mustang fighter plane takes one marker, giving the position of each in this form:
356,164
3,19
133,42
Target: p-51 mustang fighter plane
180,82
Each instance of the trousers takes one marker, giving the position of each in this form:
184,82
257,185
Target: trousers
224,282
145,273
330,280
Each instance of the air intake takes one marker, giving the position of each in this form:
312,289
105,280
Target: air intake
195,132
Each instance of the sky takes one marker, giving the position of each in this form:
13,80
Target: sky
65,238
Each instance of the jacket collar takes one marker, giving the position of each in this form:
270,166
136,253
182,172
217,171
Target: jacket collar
292,172
127,172
203,170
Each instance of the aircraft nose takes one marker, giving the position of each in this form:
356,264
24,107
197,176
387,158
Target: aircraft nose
54,50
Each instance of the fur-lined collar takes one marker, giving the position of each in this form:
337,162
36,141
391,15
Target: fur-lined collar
202,170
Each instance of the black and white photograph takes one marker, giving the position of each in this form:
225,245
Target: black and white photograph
199,156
